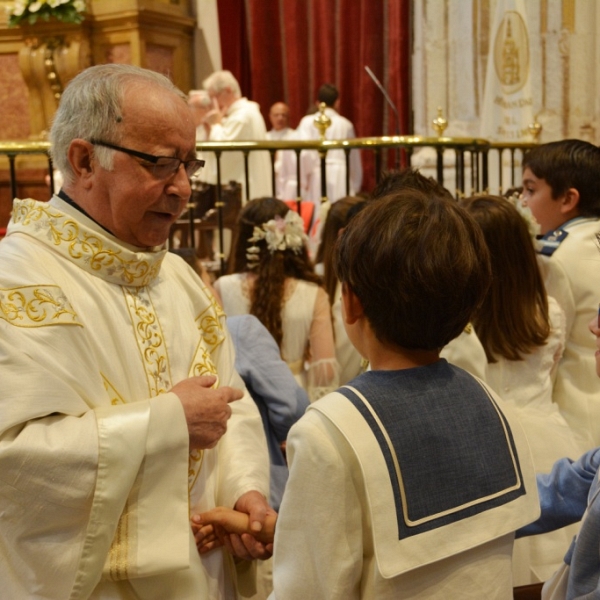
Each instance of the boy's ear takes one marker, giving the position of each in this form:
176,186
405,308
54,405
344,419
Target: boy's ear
570,201
353,308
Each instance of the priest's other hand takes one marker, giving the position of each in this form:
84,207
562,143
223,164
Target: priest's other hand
206,410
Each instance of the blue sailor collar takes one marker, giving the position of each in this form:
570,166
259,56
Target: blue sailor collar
548,243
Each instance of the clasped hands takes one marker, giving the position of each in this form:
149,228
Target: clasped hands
246,531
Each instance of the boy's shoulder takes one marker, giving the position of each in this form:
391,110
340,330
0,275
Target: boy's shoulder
571,237
436,453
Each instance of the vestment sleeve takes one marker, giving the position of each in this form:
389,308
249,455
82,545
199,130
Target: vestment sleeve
323,371
62,449
319,533
243,453
564,493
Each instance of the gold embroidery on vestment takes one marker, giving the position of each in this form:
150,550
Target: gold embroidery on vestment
73,240
150,340
36,306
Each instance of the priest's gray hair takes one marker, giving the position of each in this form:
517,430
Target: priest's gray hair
91,108
222,80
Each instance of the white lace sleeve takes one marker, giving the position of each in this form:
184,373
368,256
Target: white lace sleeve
323,370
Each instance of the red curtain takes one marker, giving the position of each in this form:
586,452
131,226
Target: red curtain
285,49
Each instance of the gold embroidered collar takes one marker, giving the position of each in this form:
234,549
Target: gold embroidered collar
84,243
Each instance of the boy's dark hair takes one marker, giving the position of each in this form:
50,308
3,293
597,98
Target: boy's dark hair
419,266
569,164
328,93
407,179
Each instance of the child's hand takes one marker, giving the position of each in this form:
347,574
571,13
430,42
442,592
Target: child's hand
205,536
214,528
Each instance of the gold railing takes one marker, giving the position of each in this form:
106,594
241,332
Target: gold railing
463,165
473,157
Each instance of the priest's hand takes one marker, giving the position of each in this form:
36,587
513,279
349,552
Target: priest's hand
246,546
206,410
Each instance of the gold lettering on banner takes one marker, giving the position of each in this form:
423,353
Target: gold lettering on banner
83,246
36,306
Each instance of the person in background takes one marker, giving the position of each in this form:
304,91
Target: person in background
561,187
235,118
340,129
522,330
279,116
121,408
348,357
273,279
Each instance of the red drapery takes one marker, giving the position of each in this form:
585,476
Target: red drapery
285,49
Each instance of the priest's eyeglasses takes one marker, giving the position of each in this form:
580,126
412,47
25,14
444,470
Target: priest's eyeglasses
162,167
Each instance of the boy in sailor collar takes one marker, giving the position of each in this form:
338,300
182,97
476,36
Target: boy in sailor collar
561,186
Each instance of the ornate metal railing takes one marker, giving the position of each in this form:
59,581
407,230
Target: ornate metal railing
463,165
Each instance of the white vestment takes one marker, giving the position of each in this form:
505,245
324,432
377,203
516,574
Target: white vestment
577,387
244,122
96,478
310,162
281,187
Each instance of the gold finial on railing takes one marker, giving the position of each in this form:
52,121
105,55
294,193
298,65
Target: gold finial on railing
535,129
439,123
322,121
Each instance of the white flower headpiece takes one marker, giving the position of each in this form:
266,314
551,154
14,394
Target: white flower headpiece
279,234
517,200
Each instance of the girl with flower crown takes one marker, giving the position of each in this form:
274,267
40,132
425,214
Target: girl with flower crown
272,278
522,330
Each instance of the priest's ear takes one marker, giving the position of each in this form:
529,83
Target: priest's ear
353,308
81,158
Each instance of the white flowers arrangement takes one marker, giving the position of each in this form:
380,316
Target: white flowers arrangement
67,11
279,234
534,227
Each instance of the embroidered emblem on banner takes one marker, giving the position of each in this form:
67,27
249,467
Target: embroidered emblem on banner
36,306
449,450
82,246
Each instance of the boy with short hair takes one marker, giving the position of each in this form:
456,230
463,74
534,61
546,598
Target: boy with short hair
561,186
410,481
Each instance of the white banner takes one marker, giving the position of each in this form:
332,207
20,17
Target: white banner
507,104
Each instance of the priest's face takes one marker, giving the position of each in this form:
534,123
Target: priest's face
134,200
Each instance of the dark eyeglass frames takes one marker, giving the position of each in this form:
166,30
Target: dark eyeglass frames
163,167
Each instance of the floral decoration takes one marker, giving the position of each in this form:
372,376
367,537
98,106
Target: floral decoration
67,11
279,234
517,200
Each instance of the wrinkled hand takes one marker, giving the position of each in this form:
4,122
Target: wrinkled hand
244,546
206,410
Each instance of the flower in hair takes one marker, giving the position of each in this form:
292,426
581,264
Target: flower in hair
279,234
516,199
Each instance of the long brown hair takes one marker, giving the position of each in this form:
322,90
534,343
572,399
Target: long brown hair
513,319
337,218
272,268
